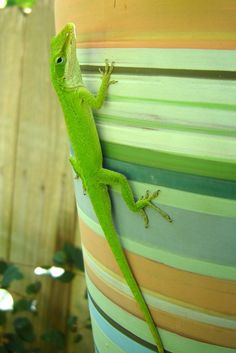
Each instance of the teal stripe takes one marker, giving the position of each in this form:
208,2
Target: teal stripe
170,161
193,236
172,342
181,181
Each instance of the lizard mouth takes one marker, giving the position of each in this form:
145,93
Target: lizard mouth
70,50
70,36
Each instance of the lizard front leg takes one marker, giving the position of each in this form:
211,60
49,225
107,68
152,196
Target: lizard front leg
97,101
75,167
111,178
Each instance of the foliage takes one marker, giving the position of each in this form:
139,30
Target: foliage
24,5
21,3
17,333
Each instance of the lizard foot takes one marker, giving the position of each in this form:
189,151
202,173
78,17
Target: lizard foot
146,201
107,71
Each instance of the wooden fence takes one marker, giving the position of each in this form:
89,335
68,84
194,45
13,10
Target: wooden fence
37,207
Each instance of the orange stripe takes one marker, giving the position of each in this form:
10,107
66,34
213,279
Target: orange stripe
205,292
180,325
165,23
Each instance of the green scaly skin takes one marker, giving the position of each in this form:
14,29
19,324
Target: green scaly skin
77,102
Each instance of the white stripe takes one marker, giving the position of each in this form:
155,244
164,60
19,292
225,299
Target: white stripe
157,301
180,142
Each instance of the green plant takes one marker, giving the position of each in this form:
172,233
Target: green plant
24,5
18,316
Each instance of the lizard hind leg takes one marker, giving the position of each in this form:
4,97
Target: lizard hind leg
111,178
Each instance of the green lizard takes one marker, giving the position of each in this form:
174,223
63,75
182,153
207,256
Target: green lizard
77,102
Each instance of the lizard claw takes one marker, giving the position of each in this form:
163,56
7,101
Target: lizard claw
145,218
107,71
112,82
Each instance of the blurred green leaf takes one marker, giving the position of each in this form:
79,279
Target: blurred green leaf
22,305
66,277
11,2
74,256
38,350
55,338
59,258
72,322
3,266
86,294
20,3
3,349
34,288
78,338
15,344
78,259
88,326
10,274
24,329
3,318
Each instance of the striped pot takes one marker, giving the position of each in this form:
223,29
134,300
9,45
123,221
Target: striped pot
169,124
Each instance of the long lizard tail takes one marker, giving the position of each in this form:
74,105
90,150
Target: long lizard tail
101,203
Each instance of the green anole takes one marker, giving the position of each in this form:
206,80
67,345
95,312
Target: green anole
77,103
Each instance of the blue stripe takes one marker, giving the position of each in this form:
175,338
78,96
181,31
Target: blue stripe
116,336
196,235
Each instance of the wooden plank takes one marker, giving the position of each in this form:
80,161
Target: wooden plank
37,208
44,212
11,29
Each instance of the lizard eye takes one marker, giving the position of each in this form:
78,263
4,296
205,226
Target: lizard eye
59,60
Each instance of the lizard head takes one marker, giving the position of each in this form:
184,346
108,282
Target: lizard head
65,70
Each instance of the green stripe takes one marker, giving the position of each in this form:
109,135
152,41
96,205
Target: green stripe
172,342
188,201
167,258
126,121
170,161
177,103
176,91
